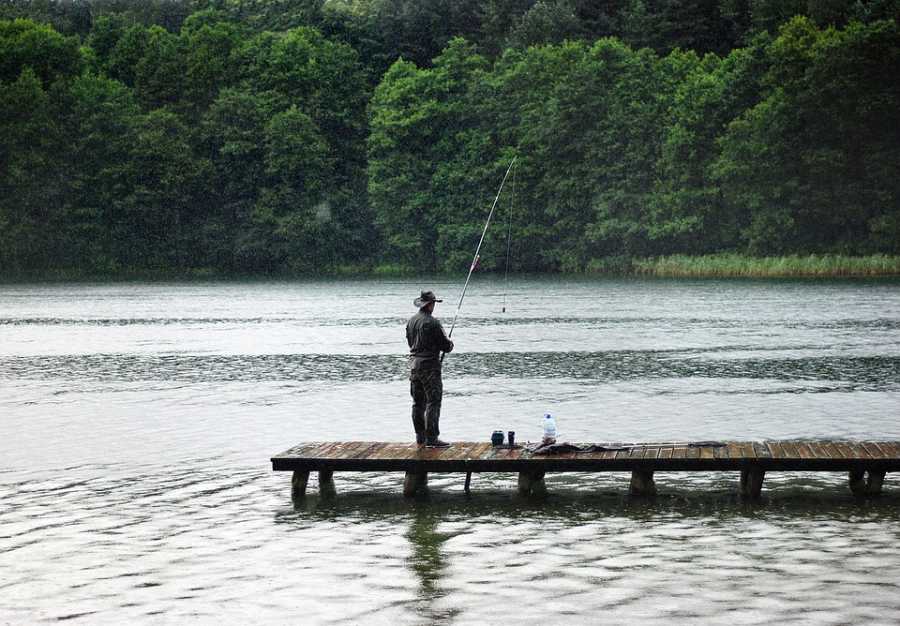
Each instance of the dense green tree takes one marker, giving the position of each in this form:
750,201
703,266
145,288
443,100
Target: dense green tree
100,120
420,137
233,139
809,163
31,187
159,73
106,32
291,213
129,48
547,21
688,214
24,43
209,45
156,220
69,17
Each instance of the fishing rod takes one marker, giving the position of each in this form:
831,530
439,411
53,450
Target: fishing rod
478,250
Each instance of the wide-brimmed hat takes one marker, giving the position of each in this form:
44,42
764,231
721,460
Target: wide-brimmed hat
426,298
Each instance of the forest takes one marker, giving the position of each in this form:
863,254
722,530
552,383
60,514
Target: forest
269,137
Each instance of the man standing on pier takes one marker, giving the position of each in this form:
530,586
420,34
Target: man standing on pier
426,339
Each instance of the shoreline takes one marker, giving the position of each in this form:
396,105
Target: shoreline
713,266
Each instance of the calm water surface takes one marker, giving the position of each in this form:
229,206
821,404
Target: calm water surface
137,420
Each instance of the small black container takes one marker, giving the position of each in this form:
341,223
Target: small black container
497,438
511,438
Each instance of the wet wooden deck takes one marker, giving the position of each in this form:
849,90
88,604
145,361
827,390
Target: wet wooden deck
867,462
812,455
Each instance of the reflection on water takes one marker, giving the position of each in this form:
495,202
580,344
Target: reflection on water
689,554
136,423
427,560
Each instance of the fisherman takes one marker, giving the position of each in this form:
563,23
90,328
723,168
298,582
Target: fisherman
426,339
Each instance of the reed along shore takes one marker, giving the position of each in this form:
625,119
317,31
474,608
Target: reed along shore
742,266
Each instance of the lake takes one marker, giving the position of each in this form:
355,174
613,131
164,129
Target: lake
137,421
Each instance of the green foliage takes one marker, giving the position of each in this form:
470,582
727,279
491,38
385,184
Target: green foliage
255,136
50,56
30,187
423,153
809,163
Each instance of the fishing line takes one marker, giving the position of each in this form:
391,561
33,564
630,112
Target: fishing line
512,205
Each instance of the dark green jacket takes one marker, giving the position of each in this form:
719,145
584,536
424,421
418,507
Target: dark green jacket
426,339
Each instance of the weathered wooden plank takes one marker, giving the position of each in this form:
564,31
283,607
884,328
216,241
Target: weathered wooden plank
873,449
484,451
777,450
451,453
462,450
859,452
473,451
831,450
347,450
818,450
783,451
317,449
387,451
367,449
328,451
761,450
845,450
804,451
429,453
879,456
352,449
749,450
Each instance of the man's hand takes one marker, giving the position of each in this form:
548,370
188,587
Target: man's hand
451,347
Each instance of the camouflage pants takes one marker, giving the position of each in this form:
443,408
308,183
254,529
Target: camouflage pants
426,389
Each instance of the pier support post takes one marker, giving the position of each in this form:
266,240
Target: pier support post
874,481
415,482
642,483
752,482
299,480
326,484
532,484
866,482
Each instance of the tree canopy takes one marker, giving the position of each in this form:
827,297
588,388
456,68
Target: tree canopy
256,136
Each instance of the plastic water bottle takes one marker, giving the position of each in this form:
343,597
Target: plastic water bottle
549,429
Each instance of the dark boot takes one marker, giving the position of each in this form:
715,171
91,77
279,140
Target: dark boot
436,443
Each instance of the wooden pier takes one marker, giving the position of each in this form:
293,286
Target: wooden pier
866,462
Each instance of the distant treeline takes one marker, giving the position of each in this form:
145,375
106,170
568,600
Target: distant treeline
268,136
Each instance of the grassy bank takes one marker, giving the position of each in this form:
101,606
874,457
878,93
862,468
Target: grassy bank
675,266
736,265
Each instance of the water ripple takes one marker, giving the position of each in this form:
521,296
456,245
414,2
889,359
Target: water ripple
859,373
